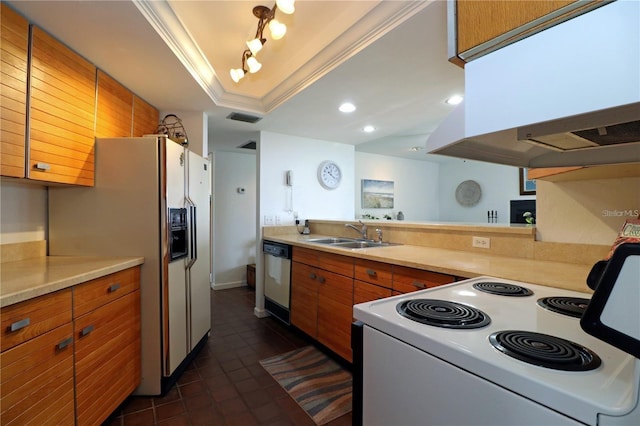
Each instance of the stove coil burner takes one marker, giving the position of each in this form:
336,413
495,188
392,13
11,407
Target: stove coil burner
502,289
572,306
443,313
545,351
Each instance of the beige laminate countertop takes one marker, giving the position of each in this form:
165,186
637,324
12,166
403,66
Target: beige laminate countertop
25,279
460,263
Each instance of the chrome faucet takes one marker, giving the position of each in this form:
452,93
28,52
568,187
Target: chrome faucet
379,232
362,231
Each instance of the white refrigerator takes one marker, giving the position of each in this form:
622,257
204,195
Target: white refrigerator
151,198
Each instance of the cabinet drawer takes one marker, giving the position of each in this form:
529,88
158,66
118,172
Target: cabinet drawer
37,380
406,280
374,272
31,318
107,354
95,293
337,263
365,292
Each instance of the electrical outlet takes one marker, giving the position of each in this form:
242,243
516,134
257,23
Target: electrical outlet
268,219
277,220
481,242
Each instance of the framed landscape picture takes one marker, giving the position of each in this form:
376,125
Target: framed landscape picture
377,194
527,187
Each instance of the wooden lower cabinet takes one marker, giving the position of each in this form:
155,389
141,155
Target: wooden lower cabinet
366,292
106,327
406,280
37,380
74,355
335,312
322,298
107,358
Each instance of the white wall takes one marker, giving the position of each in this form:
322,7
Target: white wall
23,212
499,184
279,153
415,185
234,217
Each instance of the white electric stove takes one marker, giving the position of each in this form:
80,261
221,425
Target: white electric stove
476,370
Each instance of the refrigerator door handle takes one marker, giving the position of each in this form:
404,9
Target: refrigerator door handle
193,247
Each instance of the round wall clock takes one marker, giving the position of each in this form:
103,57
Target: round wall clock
329,175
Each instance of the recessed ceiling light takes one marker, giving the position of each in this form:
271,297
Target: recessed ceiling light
368,129
416,148
347,107
454,100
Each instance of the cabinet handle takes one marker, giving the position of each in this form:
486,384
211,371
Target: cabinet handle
66,342
312,276
19,324
114,287
322,280
42,166
418,284
88,329
371,273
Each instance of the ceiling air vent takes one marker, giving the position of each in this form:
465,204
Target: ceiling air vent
243,117
248,145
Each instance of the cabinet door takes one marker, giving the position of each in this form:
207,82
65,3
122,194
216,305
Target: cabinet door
62,113
114,113
406,280
365,292
14,35
107,354
145,118
304,298
36,380
335,312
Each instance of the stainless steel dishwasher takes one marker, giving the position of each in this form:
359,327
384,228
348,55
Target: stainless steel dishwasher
277,279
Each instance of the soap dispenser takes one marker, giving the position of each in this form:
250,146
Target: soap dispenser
400,215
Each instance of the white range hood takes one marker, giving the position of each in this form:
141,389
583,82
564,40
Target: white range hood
567,96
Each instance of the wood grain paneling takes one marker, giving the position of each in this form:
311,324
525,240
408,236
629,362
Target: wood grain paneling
145,118
114,113
365,292
373,272
304,298
406,280
107,355
37,381
14,44
62,113
335,312
479,21
42,314
95,293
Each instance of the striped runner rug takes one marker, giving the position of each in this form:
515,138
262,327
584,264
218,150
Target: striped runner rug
316,382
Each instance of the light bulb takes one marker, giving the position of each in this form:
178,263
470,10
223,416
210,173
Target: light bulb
454,100
254,45
277,29
286,6
253,64
236,74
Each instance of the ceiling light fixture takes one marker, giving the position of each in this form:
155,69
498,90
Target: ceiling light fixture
347,107
266,17
454,100
369,129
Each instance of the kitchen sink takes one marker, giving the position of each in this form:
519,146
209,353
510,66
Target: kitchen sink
351,243
331,240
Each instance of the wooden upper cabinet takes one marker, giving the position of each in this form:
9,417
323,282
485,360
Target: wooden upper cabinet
114,113
14,46
145,118
62,113
482,26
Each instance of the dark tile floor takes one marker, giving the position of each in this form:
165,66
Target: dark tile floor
225,384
